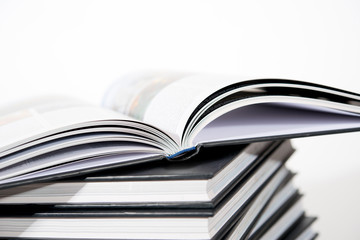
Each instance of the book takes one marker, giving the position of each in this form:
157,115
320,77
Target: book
199,183
279,220
112,223
286,223
302,231
244,227
147,117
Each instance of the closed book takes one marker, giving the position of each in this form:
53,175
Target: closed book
109,223
199,183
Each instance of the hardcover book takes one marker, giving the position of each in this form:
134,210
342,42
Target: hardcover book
147,117
201,182
112,223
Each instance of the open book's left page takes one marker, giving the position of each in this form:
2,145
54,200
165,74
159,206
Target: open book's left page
33,118
42,133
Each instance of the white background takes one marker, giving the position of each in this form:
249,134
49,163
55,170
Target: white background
78,48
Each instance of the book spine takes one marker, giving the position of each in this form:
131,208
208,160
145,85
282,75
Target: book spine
184,154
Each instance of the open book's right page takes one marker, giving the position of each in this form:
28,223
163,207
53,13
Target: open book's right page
203,108
164,99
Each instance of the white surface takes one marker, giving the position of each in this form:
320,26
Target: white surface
78,48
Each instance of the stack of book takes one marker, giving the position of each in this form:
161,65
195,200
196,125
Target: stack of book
228,192
169,156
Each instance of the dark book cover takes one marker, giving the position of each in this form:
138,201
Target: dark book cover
276,216
304,223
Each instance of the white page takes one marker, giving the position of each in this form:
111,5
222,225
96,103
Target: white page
82,165
112,127
171,108
165,100
70,141
75,153
132,93
266,120
30,123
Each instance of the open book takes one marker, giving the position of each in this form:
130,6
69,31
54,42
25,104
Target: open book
152,116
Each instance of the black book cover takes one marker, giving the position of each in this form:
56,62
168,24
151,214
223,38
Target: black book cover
277,215
263,208
304,224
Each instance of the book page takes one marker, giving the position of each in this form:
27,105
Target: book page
103,162
73,154
35,119
165,100
72,141
272,119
